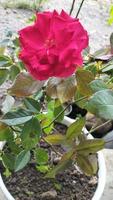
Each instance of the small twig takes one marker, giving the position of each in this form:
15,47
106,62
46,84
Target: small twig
72,7
13,129
98,127
52,147
80,8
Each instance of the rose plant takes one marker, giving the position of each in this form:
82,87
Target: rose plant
50,70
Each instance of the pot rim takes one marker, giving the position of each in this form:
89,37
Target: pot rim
101,172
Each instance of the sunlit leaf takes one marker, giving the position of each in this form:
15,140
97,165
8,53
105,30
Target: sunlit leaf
5,133
55,139
87,147
83,78
41,156
75,129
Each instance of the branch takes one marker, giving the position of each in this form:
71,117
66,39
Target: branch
80,8
72,7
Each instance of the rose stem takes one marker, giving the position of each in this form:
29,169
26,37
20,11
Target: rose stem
72,7
80,8
82,98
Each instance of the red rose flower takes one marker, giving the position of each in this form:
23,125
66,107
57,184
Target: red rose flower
52,46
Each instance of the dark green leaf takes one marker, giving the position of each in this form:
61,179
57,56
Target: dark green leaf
3,75
17,117
21,160
57,109
14,71
8,160
4,61
31,133
32,105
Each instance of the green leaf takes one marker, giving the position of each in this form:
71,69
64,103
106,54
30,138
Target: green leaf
85,165
108,67
31,133
8,160
25,85
4,61
75,129
57,109
110,20
14,71
5,133
55,139
3,75
111,41
98,85
32,105
21,160
42,168
7,104
84,77
90,146
17,117
41,156
65,162
101,104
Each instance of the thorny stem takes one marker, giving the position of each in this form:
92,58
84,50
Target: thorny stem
80,8
82,98
72,7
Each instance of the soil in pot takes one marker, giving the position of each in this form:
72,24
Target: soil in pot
30,184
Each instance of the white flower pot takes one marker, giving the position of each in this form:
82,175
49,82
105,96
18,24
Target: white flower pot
5,195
